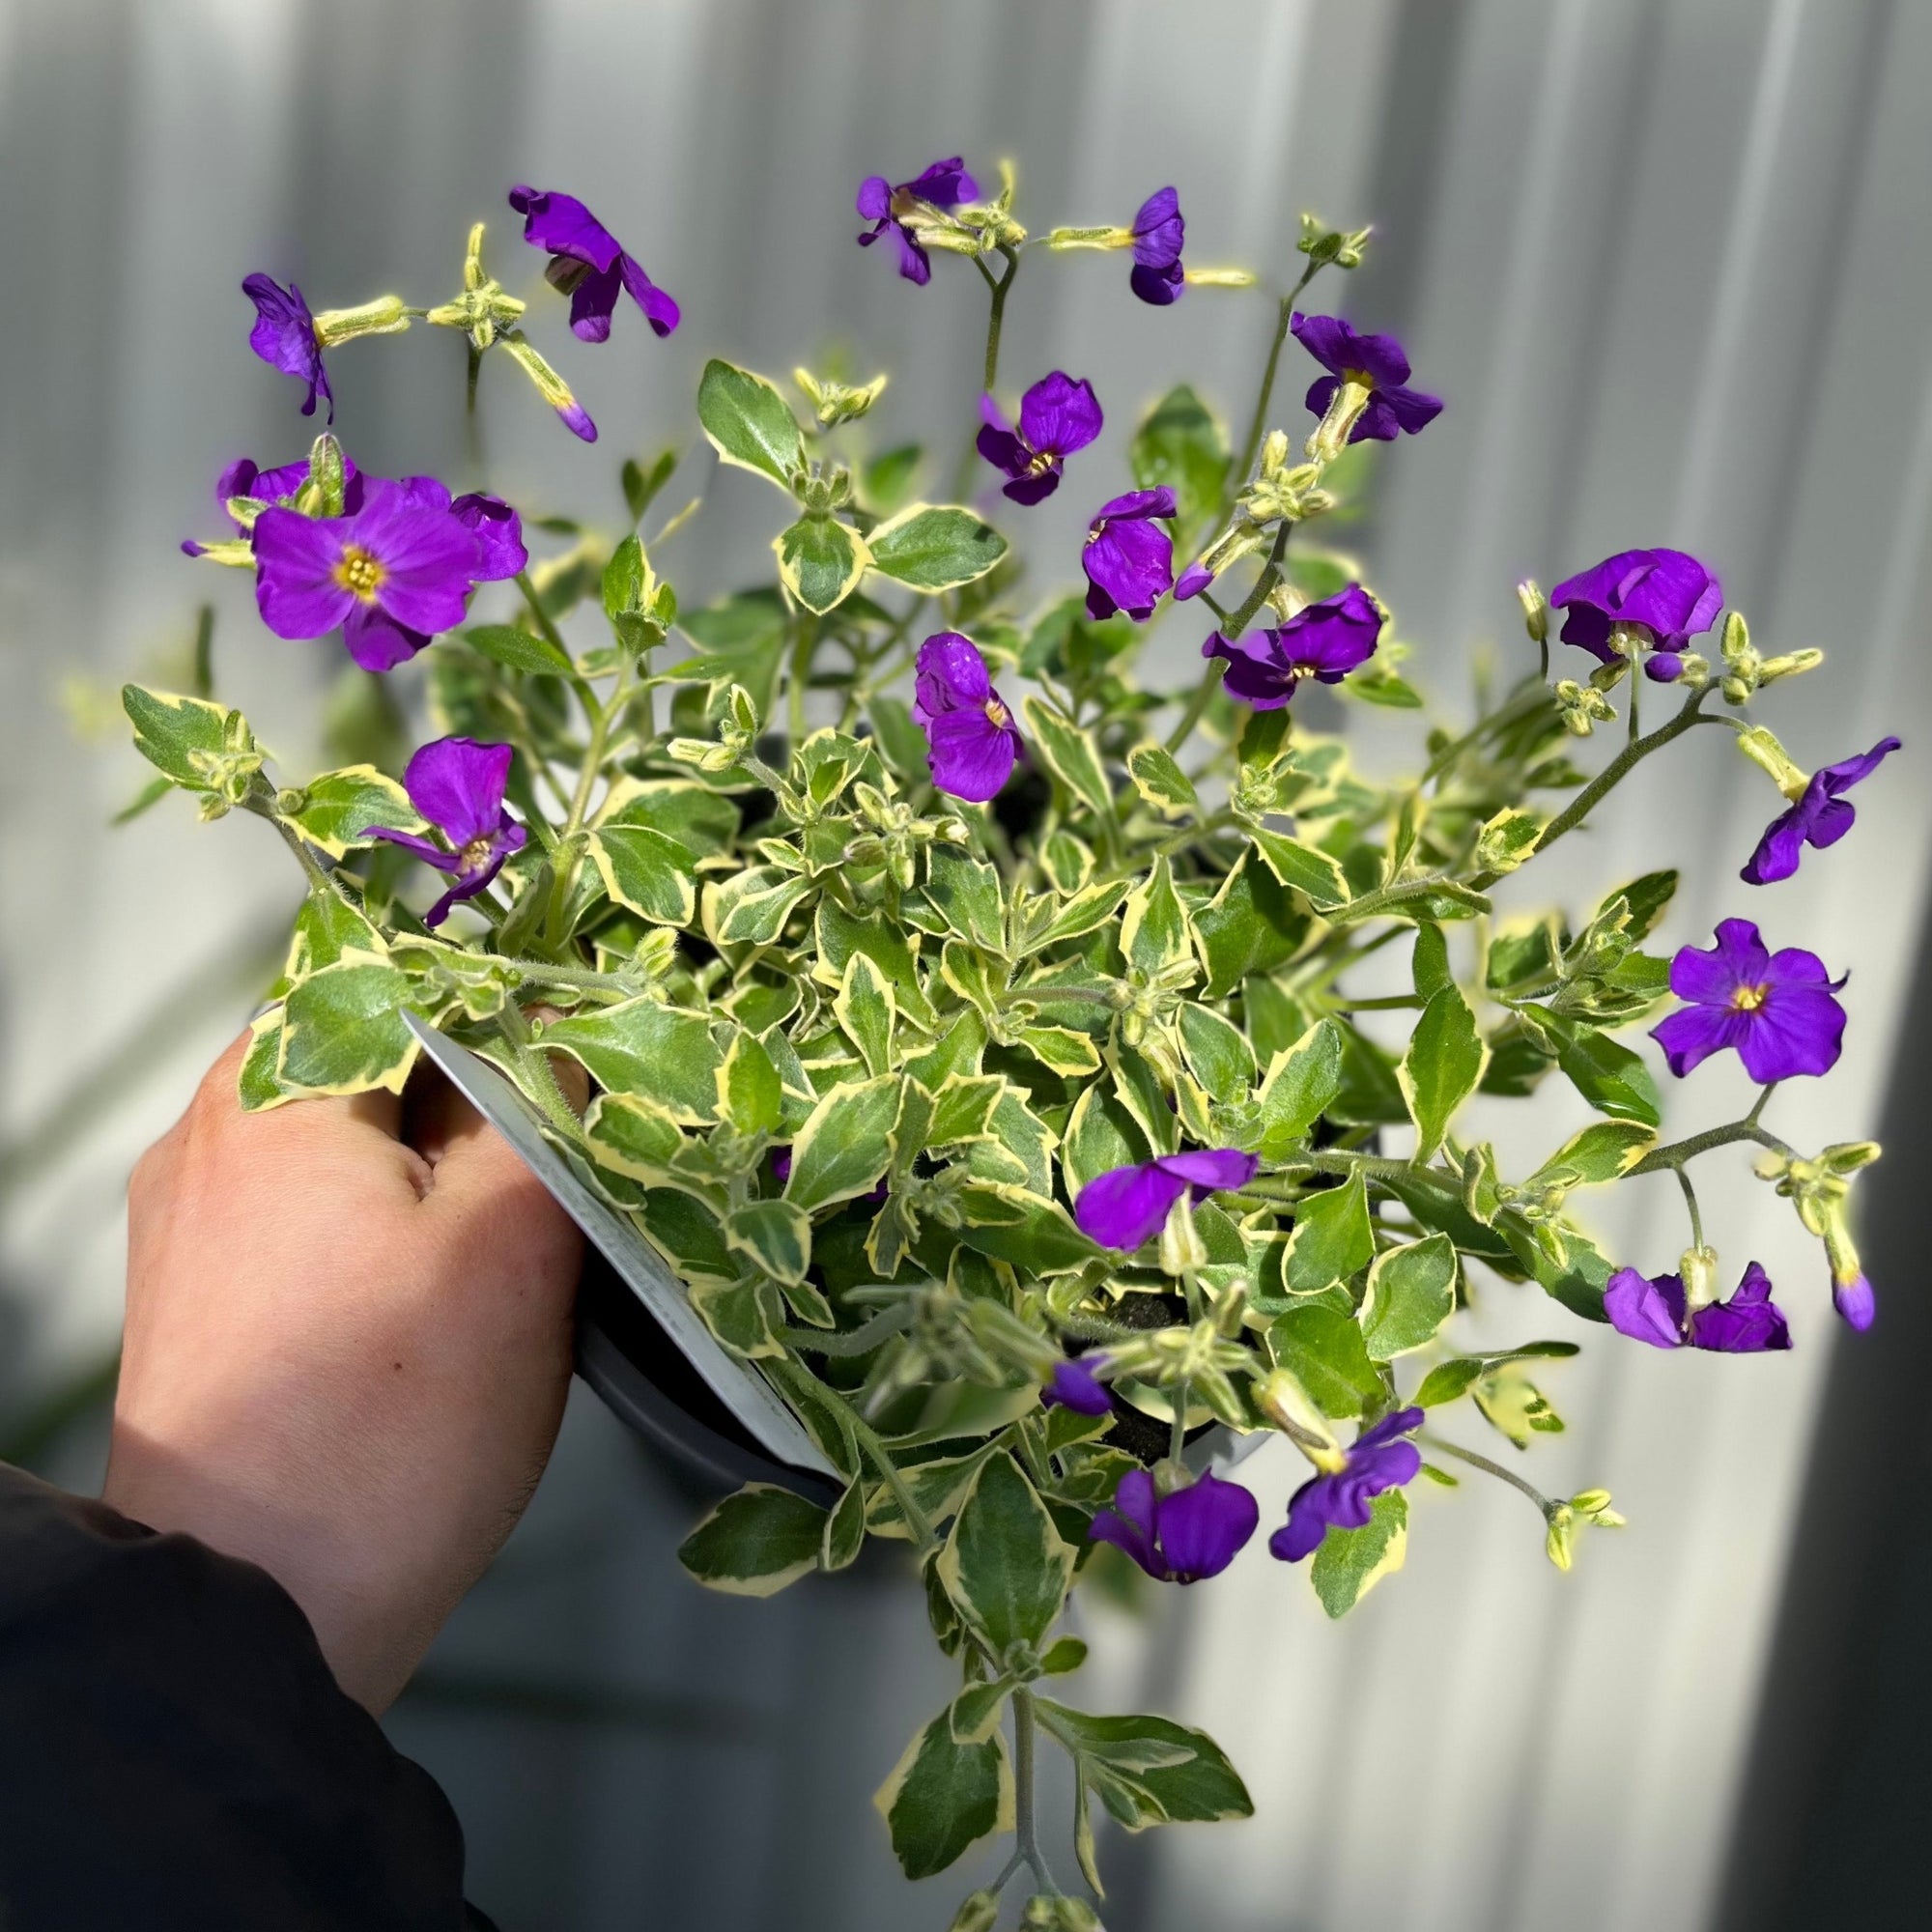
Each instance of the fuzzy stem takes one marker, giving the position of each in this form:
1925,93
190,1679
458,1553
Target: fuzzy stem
1238,476
1026,1828
1496,1469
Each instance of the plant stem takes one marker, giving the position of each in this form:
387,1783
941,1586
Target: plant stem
1210,676
1679,1151
806,1386
542,1082
997,315
1238,476
1610,777
806,643
1691,1203
1026,1828
1496,1469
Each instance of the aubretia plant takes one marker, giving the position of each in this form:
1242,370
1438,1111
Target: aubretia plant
995,1046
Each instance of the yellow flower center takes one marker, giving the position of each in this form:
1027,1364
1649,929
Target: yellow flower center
1361,377
474,856
998,713
1749,999
360,573
1042,461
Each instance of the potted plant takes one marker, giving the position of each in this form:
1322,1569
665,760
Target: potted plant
987,1042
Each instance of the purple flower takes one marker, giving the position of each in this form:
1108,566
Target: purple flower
588,265
1159,232
1127,1205
1375,363
968,729
1185,1535
1668,592
499,532
458,786
1325,641
392,574
1058,415
1819,816
944,184
1339,1498
1853,1297
1130,559
284,337
1777,1008
1653,1309
1075,1384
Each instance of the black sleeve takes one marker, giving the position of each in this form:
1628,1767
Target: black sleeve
175,1752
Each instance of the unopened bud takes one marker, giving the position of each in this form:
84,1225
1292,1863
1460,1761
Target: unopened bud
1182,1248
1063,238
1283,1400
1559,1543
1736,640
979,1912
1535,610
1218,278
1789,664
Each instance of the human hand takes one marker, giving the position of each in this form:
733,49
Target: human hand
347,1348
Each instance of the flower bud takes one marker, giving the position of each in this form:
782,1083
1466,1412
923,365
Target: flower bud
1182,1248
1325,245
1063,238
1218,278
1698,1267
833,402
979,1912
1697,671
551,386
1535,610
1582,707
1789,664
387,315
1559,1543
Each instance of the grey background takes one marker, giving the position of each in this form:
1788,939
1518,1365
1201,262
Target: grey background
1668,260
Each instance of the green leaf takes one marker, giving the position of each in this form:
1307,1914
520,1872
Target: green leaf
647,872
339,807
327,927
1064,1656
1217,1053
1600,1153
632,1136
642,1046
888,476
777,1235
1181,444
965,892
975,1713
519,650
1574,1273
1100,1136
1061,1050
1411,1293
1513,1404
1322,1348
843,1149
173,733
623,583
1160,781
1150,1770
943,1797
1613,1079
1033,1234
1441,1069
820,561
754,1542
1646,900
844,1533
751,1094
1252,925
1004,1565
935,547
1153,927
749,424
1448,1381
1351,1562
1081,913
1301,1084
1315,876
344,1029
640,485
750,908
1332,1237
1069,754
864,1009
1431,964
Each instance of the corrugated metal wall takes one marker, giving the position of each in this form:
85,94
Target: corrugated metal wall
1667,259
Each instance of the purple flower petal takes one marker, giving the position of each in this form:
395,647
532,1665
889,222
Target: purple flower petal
1128,558
1127,1205
1820,818
1777,1009
499,532
593,301
1854,1300
660,310
1129,1525
1059,414
1159,229
1746,1324
1667,591
945,184
1341,1498
1646,1310
1210,1170
971,737
295,560
457,784
951,676
561,224
1074,1386
1203,1528
377,640
428,560
284,337
1191,582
